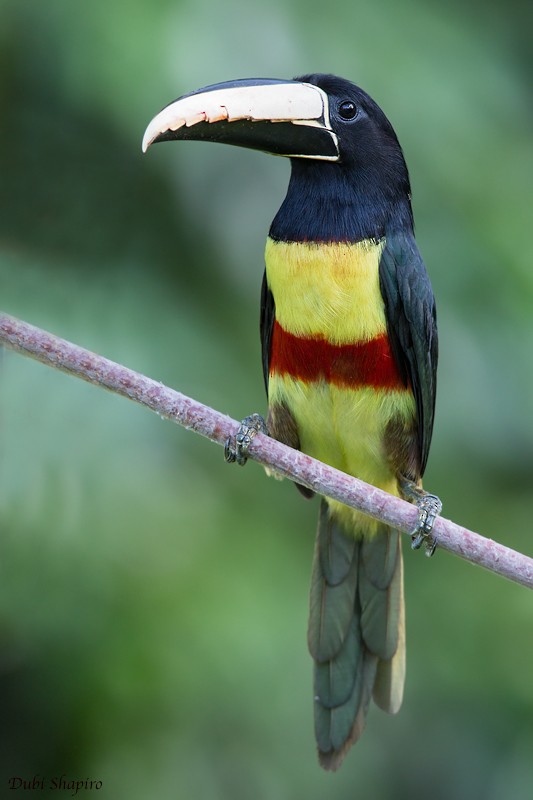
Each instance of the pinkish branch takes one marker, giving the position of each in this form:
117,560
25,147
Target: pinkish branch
296,466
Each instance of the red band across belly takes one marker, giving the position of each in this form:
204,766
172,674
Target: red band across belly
313,358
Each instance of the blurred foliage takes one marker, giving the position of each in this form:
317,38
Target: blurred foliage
153,601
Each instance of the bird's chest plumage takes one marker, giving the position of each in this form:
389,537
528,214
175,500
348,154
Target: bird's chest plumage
330,363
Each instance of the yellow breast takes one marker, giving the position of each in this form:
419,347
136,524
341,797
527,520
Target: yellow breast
327,289
331,292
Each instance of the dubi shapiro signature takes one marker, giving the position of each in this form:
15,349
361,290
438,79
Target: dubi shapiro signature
59,783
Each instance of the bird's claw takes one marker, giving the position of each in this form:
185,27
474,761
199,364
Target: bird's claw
236,447
429,508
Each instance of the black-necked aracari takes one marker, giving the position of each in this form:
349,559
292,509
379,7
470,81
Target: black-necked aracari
349,345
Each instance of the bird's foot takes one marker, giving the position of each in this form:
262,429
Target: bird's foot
236,447
429,508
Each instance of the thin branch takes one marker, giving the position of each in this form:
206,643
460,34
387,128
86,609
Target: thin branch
289,463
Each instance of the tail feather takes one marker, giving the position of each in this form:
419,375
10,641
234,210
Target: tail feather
336,708
356,631
342,726
334,679
333,588
380,608
390,676
379,556
336,553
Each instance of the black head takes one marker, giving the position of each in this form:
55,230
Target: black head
363,195
365,135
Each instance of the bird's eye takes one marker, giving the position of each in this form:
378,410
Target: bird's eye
347,109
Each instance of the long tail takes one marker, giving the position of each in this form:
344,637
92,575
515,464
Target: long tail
356,630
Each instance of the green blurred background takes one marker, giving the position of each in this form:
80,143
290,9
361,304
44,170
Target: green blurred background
154,600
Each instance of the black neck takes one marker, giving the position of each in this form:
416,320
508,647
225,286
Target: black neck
328,203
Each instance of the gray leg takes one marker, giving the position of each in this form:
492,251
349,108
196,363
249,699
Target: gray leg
236,447
429,507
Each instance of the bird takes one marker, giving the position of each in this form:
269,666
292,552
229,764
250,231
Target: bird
349,354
